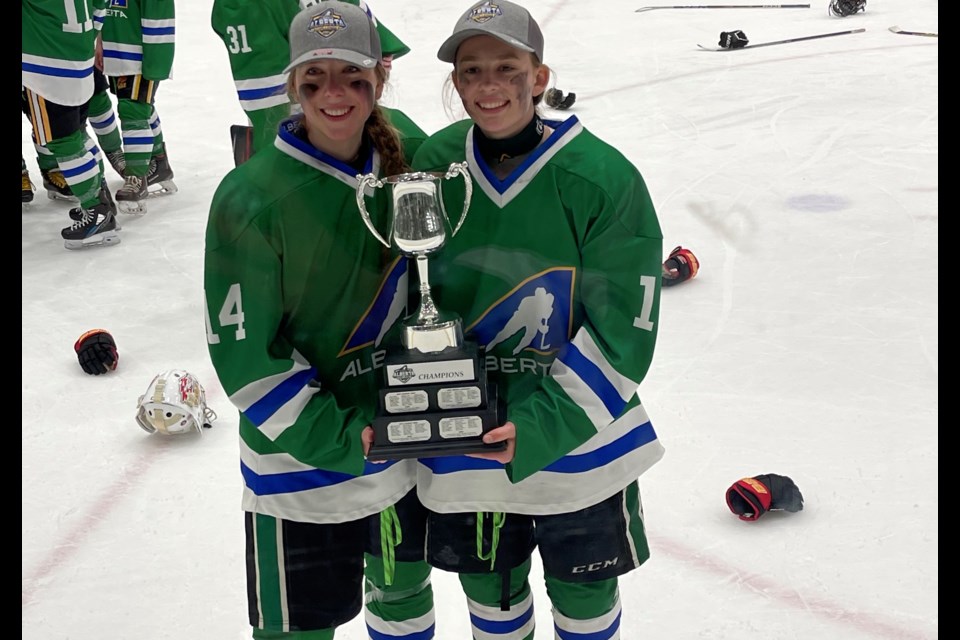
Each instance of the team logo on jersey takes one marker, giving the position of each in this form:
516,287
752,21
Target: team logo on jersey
388,305
485,12
120,4
537,315
326,24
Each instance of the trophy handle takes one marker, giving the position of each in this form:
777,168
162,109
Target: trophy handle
362,183
459,168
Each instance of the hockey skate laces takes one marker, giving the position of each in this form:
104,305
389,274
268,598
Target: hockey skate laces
88,216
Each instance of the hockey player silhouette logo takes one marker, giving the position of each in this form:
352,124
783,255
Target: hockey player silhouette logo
387,307
532,317
536,316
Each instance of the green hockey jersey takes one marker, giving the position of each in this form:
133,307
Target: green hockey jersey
138,38
58,38
300,298
556,274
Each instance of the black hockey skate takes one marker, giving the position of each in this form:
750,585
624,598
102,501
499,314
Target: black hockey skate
131,196
160,173
94,226
117,160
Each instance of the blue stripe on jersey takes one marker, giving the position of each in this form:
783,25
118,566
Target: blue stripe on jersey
606,634
426,634
594,378
631,441
30,67
306,147
123,55
501,627
634,439
77,170
157,31
256,94
294,481
261,410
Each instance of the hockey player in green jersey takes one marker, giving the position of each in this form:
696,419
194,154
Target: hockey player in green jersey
138,47
556,273
255,35
58,41
299,298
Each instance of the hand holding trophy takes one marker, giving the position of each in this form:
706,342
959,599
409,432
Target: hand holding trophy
435,399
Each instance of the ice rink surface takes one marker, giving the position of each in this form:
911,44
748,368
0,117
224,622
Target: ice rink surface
804,177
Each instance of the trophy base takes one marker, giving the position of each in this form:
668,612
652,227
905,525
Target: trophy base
432,450
438,432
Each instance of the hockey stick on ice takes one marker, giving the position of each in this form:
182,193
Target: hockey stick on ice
725,6
925,34
768,44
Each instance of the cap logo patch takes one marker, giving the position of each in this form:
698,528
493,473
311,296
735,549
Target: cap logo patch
485,12
326,24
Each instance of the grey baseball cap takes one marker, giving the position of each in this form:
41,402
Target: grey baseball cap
501,19
334,31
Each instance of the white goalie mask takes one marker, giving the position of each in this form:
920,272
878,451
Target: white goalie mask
174,403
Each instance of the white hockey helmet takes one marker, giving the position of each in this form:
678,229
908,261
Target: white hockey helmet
174,403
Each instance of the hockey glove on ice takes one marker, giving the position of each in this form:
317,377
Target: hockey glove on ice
750,498
555,99
97,352
733,39
681,266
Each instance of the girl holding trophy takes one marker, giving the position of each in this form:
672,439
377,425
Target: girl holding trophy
299,297
556,272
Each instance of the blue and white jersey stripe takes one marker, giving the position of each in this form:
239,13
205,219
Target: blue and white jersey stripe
606,463
66,82
585,375
274,403
279,485
262,93
121,59
158,31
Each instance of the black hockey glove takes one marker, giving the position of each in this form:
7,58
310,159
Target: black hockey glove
97,352
681,266
844,8
555,99
733,39
750,498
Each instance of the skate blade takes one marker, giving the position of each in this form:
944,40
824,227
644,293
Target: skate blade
107,238
53,195
132,207
167,188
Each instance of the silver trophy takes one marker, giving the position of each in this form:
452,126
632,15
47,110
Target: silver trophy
435,398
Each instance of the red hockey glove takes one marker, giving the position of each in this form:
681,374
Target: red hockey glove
750,498
681,266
